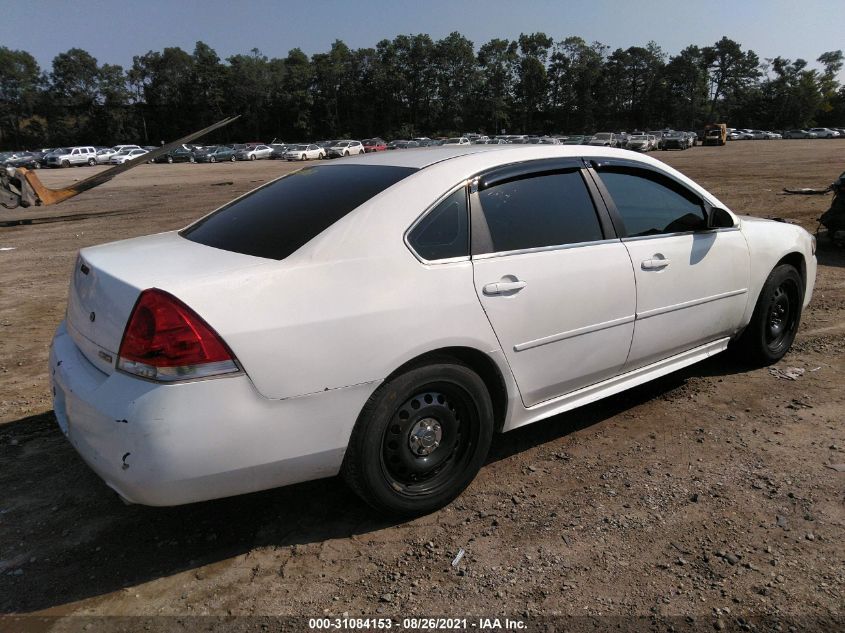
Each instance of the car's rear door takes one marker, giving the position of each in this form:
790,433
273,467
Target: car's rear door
692,282
553,279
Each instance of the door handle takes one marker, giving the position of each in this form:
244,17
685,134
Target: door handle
504,287
655,263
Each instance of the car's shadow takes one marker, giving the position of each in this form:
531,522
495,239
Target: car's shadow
86,543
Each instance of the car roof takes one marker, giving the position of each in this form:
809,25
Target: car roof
426,156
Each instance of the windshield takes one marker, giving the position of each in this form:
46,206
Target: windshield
279,218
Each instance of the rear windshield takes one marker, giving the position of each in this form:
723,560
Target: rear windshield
279,218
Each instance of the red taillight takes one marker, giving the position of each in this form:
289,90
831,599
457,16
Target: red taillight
166,340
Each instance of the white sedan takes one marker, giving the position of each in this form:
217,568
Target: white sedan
124,155
346,148
383,316
305,152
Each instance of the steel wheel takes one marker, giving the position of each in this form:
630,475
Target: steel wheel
774,323
428,438
781,316
420,439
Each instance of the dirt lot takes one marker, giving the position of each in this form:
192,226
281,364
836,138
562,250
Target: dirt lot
701,500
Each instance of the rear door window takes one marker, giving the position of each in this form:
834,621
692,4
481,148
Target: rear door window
279,218
548,210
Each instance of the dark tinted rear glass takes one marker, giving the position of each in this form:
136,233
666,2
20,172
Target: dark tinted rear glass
443,233
279,218
540,211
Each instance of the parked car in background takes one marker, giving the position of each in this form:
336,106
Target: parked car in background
576,139
345,148
339,320
254,152
178,155
30,160
215,154
639,143
279,150
305,152
799,134
824,132
126,154
402,144
603,139
374,145
73,157
457,140
674,140
103,155
119,148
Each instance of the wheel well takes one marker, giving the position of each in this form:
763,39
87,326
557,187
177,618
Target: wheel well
796,260
480,363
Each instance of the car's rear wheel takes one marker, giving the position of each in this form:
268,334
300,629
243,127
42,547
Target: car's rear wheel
776,317
92,162
65,163
420,439
233,159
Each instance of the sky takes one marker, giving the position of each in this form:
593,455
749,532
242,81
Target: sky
113,31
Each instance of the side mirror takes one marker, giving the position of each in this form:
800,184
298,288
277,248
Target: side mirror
718,218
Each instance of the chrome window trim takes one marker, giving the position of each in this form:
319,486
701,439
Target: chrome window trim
543,249
638,238
421,217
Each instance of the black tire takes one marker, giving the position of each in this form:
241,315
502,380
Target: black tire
420,439
776,318
252,156
65,163
92,162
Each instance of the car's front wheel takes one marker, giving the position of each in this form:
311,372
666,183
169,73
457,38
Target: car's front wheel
776,317
420,439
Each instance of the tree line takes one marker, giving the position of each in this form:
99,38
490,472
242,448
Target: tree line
410,86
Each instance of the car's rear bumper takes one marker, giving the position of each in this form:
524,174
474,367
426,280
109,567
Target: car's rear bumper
172,444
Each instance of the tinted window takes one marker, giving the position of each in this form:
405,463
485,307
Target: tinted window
443,233
279,218
651,204
540,211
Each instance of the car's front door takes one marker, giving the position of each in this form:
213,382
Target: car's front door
554,281
692,282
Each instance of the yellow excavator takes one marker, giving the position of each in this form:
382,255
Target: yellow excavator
21,187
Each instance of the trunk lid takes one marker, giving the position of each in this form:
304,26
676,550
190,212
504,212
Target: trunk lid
107,280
